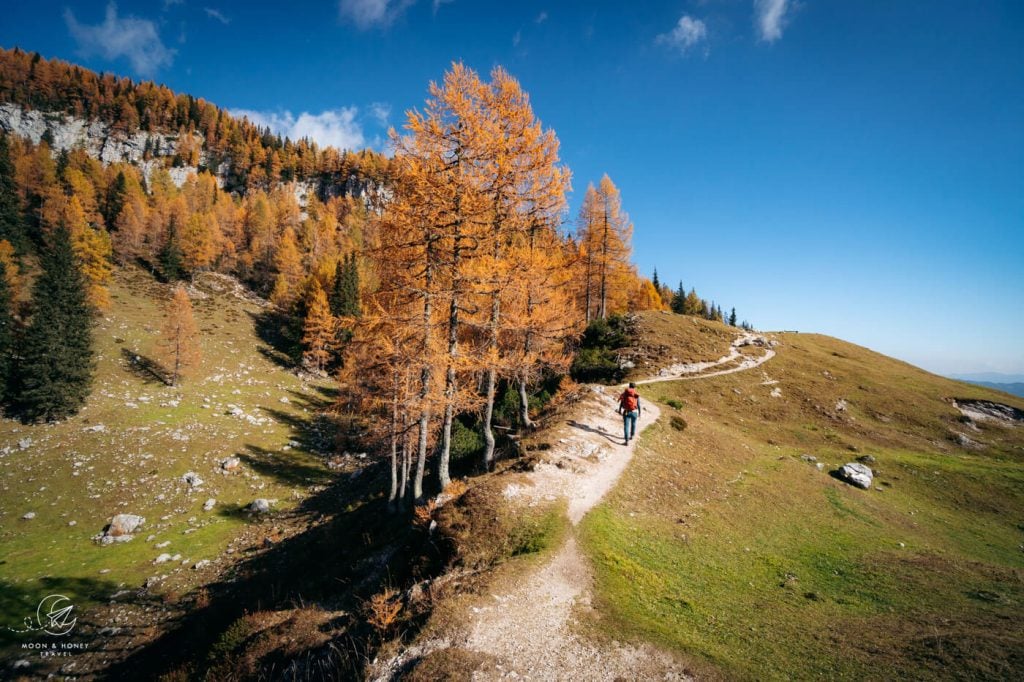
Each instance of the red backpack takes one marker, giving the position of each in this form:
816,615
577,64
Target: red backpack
629,400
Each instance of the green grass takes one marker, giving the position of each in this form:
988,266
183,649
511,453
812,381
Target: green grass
720,543
152,435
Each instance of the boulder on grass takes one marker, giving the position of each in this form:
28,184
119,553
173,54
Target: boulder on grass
856,474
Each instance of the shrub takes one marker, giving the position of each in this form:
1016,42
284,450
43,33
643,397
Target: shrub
596,360
595,364
677,423
672,402
466,442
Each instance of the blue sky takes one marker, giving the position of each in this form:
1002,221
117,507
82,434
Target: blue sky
851,168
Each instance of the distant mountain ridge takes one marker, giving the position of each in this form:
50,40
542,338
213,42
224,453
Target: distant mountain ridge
991,377
1016,388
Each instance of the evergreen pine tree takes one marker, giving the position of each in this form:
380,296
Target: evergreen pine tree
732,318
678,304
654,280
55,374
336,298
115,199
353,307
171,256
344,296
12,226
6,334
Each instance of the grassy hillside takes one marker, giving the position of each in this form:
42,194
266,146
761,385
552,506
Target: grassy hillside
128,449
724,542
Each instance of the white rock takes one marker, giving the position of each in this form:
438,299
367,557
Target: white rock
162,558
202,563
28,516
856,474
209,504
260,506
192,479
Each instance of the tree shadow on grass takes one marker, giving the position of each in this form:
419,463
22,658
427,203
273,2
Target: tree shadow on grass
145,368
292,467
590,429
20,614
272,328
351,549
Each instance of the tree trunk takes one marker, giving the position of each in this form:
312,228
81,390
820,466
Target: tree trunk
489,386
453,349
425,374
604,268
492,345
524,404
393,496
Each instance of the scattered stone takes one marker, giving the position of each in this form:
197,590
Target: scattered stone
162,558
809,458
901,545
25,443
856,474
22,663
259,506
192,479
163,544
866,459
120,529
840,405
98,428
230,464
28,516
152,580
201,564
283,399
776,392
819,466
967,443
209,504
72,523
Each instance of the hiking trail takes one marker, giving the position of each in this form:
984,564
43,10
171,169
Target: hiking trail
528,626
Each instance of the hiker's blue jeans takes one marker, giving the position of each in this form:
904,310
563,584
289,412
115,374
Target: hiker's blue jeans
629,424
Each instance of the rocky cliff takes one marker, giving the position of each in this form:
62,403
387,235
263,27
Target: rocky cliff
99,140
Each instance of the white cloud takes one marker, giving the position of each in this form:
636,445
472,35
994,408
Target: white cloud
216,14
541,18
770,16
135,39
381,113
334,127
438,3
517,38
369,13
688,33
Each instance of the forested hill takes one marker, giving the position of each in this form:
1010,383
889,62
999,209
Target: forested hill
142,121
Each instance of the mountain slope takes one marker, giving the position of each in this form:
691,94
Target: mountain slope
727,544
128,449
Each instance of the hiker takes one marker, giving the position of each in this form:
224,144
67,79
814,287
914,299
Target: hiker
629,408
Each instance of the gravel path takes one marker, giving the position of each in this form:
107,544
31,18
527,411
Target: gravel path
529,627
